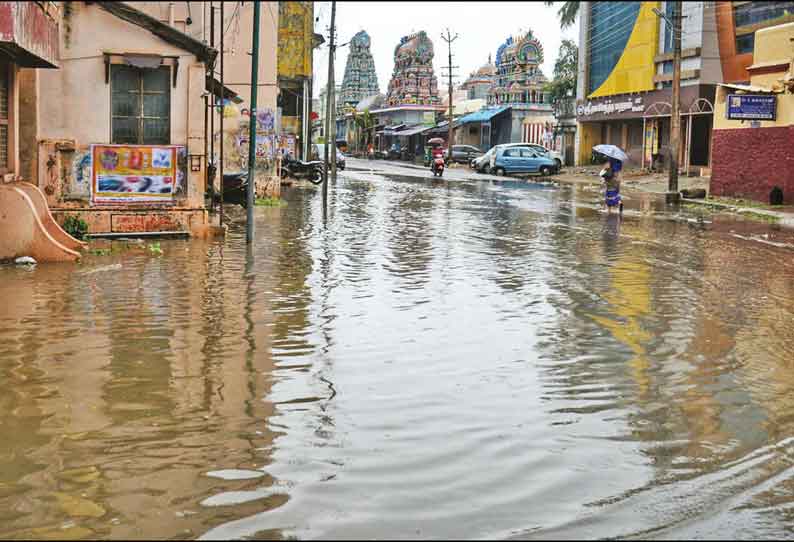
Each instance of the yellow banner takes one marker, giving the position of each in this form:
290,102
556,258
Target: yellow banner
144,173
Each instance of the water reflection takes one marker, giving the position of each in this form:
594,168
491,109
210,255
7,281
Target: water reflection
427,360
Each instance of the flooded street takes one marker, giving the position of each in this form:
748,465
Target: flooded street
443,360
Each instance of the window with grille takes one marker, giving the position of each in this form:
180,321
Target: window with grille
4,91
141,105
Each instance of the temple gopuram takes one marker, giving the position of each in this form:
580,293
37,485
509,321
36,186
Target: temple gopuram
518,79
360,79
413,81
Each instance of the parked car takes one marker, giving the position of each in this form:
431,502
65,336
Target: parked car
540,149
463,154
482,164
554,155
318,153
512,160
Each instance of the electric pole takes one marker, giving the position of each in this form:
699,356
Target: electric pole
249,195
329,97
449,39
220,169
675,118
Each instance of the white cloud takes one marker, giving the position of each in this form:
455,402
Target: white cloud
482,27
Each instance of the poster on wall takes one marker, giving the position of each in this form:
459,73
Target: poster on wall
133,173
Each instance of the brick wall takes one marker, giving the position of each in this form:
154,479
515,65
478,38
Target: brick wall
748,162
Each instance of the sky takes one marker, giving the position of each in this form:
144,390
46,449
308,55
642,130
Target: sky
481,26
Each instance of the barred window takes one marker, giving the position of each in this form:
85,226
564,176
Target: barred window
141,105
4,96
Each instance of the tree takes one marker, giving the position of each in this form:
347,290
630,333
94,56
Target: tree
364,122
565,70
567,13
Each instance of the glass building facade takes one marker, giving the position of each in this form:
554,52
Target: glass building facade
610,27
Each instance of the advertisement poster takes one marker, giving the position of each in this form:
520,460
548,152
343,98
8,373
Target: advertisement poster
133,173
651,140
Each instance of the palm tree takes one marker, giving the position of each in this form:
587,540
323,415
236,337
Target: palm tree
567,13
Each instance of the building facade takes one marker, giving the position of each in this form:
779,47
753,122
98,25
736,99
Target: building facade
120,136
479,82
758,118
624,91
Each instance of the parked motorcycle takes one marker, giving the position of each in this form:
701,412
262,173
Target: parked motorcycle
406,155
298,169
394,153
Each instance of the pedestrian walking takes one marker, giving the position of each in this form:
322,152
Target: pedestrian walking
610,175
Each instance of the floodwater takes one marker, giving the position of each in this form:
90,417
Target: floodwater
462,360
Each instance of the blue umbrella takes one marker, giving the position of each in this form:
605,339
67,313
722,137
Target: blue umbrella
612,151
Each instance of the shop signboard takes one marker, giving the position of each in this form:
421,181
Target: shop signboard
751,107
133,173
429,118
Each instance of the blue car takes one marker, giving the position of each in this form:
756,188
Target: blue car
512,160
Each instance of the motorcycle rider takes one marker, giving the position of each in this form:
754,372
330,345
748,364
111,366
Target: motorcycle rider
436,153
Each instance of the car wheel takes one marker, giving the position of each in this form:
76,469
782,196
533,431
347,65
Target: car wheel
499,172
545,171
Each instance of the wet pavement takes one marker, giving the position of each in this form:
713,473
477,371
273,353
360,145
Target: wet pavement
441,359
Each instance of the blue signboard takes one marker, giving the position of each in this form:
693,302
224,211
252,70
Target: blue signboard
751,107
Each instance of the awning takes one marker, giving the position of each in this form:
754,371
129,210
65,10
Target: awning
443,127
483,115
749,88
214,86
413,130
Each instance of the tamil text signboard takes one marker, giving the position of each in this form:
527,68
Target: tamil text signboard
751,107
133,173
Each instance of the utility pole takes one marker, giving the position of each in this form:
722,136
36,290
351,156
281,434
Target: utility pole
220,169
329,93
675,118
249,215
212,167
449,39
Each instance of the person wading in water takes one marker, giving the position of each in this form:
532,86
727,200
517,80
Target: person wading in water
609,174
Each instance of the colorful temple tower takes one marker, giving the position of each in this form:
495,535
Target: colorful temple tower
360,79
479,82
518,84
413,81
518,79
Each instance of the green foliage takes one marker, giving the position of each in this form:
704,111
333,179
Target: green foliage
565,70
270,202
75,226
568,13
100,251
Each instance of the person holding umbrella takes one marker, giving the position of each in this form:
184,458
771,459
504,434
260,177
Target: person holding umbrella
610,175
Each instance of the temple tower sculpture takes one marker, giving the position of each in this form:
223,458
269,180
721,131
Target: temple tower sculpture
360,80
518,78
413,80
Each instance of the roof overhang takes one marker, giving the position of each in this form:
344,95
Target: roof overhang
161,30
29,34
225,93
749,88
